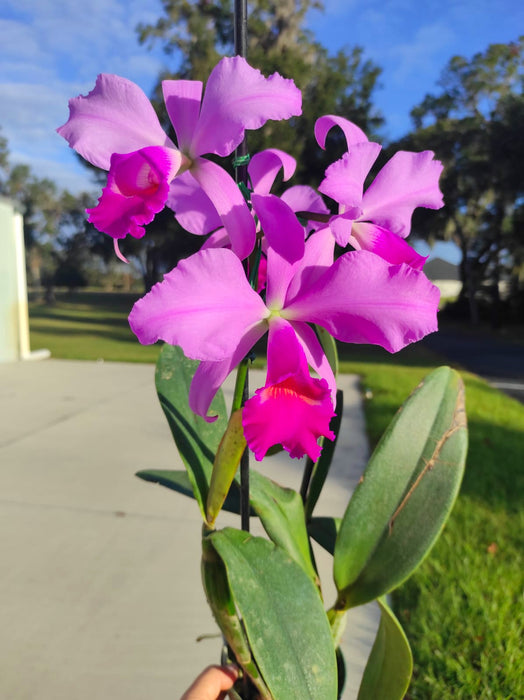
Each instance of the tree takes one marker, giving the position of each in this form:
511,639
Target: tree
58,240
199,32
475,127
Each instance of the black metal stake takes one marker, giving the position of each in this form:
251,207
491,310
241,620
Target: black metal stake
240,28
241,176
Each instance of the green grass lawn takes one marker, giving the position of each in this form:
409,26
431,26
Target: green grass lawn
462,610
88,326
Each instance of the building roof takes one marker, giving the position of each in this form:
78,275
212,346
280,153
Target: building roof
439,269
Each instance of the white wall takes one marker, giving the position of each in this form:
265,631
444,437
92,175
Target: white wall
14,324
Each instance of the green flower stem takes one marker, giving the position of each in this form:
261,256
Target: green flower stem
240,396
240,385
337,620
255,264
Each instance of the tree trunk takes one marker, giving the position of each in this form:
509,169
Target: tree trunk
467,276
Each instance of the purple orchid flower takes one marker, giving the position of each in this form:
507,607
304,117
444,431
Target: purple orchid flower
378,219
206,306
195,211
116,128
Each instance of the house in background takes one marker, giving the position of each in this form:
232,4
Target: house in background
445,276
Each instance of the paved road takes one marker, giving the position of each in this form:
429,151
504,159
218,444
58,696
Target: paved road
499,361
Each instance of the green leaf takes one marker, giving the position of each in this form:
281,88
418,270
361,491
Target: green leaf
175,480
226,463
197,441
390,664
408,489
222,604
324,530
178,481
282,515
321,468
283,617
329,346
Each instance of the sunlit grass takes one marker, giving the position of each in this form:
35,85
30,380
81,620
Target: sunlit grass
463,608
88,326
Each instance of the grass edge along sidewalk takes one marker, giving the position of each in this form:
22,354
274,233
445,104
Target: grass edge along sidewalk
462,610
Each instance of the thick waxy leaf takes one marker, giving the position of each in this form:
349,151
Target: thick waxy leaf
178,481
329,346
390,664
226,463
282,515
324,530
321,468
283,617
222,604
171,479
406,493
197,441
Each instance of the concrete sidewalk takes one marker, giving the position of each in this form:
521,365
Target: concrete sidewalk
100,593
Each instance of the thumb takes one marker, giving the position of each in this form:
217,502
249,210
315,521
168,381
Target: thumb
211,682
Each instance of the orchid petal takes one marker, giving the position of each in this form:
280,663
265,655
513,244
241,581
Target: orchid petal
262,274
352,132
264,166
363,299
341,226
385,244
318,256
193,209
182,98
118,252
280,274
137,189
292,409
280,225
344,181
218,239
229,203
239,97
115,117
205,305
302,198
210,376
407,181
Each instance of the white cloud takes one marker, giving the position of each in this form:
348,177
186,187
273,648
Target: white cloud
53,50
69,175
17,39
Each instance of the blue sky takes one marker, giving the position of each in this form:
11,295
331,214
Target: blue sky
51,50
